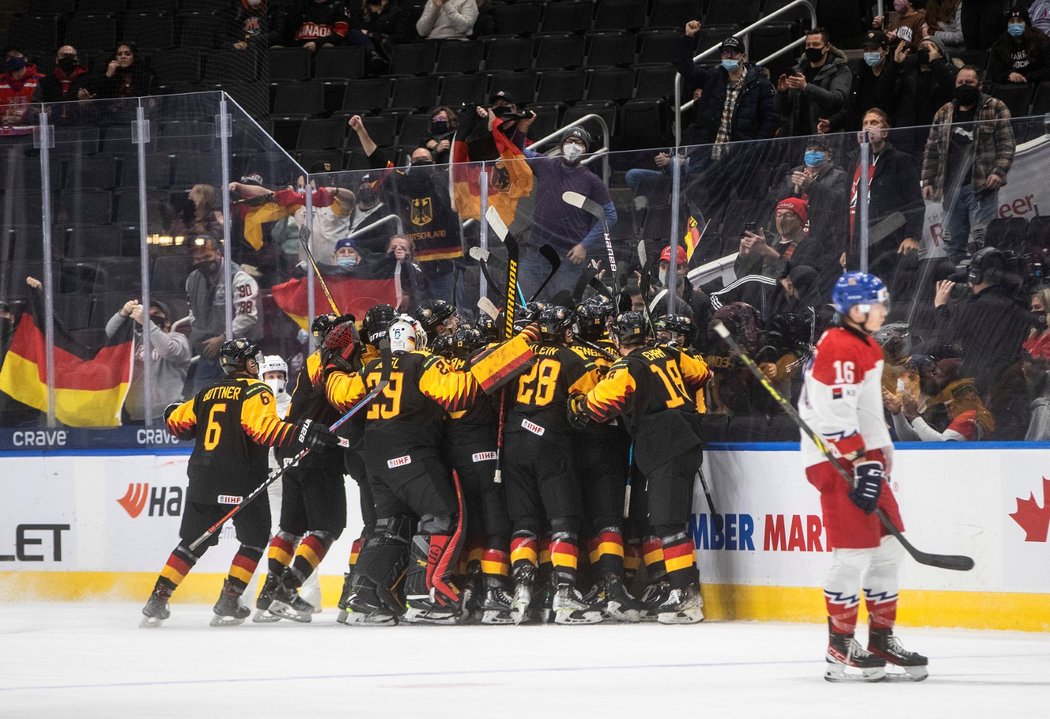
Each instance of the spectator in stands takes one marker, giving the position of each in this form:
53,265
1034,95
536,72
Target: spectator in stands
944,22
369,210
814,97
968,155
170,358
924,81
909,24
247,25
572,232
18,84
874,79
968,419
347,256
691,302
205,290
514,121
314,24
201,213
124,76
895,206
982,22
1039,15
1021,55
410,282
7,328
824,186
66,83
386,24
1037,377
443,124
1038,342
447,19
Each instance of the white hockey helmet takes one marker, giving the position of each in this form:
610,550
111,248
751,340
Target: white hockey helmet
273,363
406,334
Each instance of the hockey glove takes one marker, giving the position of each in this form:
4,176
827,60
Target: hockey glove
342,348
316,437
169,409
576,408
867,485
531,333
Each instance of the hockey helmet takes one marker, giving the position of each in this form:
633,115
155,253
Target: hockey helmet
630,328
554,320
406,334
434,313
529,313
592,318
377,320
487,327
442,345
234,356
858,288
895,340
273,363
680,328
464,341
322,324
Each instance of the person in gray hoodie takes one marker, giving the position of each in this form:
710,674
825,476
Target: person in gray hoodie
814,98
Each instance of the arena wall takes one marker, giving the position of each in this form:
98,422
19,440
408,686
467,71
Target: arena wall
80,523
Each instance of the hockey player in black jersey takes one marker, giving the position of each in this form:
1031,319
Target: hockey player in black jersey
232,424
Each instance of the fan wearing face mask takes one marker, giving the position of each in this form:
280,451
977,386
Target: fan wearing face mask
813,98
925,80
908,22
1021,55
18,83
67,82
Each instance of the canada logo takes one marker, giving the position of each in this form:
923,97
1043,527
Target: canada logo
1033,519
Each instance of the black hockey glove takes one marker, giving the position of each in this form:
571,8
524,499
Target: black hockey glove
578,417
169,409
316,437
867,485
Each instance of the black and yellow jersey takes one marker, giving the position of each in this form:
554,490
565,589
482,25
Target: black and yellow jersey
602,359
308,401
233,423
538,396
701,403
476,423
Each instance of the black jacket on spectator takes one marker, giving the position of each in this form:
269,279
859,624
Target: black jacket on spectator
894,187
982,22
920,94
323,23
755,116
826,96
59,87
133,81
1001,57
871,90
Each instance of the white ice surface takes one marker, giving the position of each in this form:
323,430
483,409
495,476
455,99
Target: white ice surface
91,660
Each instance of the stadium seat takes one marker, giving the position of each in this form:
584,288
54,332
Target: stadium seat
620,15
190,170
548,120
200,30
339,62
91,172
675,13
322,134
1037,236
101,6
659,46
170,272
158,171
288,63
616,84
190,136
28,241
509,54
73,310
176,66
522,18
567,17
1007,233
461,89
610,49
366,96
165,6
76,140
229,66
642,123
37,35
91,33
381,128
607,110
413,58
561,86
560,52
1017,97
54,7
415,128
769,39
150,31
86,207
732,12
1041,100
299,99
457,57
521,86
798,15
418,93
654,82
94,241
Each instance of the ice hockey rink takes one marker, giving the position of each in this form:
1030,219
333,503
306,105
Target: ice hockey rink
92,660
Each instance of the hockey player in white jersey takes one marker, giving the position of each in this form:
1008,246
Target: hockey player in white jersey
841,399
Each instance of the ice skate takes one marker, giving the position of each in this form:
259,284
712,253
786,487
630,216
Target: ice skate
569,607
263,615
287,604
653,596
425,609
156,609
494,604
847,661
363,607
542,608
618,602
469,600
682,605
229,610
883,644
519,605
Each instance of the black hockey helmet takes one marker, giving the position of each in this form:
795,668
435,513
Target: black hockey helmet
488,328
630,328
464,341
433,313
234,356
592,317
553,322
525,315
377,320
442,345
322,325
680,327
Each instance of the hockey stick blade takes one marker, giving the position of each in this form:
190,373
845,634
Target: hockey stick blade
480,254
551,256
587,205
954,562
496,223
486,305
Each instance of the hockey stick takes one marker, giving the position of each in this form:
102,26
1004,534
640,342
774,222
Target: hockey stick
597,348
627,487
647,275
954,562
486,306
710,501
555,262
304,234
508,332
384,380
483,257
597,212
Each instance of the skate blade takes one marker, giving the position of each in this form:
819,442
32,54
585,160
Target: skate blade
217,621
836,673
577,617
425,616
497,616
351,618
686,616
265,616
615,610
150,622
907,674
283,611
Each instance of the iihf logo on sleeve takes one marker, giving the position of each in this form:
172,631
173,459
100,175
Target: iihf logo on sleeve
163,501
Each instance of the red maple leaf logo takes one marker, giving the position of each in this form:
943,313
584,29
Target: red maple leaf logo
1033,519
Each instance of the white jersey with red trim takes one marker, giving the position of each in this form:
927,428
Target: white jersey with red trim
842,396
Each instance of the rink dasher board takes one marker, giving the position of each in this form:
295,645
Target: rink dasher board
100,524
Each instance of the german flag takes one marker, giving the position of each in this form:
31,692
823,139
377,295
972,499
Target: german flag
90,386
275,206
371,283
510,177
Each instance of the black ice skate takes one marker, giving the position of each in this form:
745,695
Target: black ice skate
883,644
425,609
617,602
519,604
287,604
156,609
569,607
653,596
229,611
363,607
682,605
847,661
264,601
494,604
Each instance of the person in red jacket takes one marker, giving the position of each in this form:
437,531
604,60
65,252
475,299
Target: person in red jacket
841,400
17,86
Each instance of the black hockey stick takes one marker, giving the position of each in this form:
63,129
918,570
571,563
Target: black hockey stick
484,257
555,262
595,210
710,500
646,283
955,562
384,380
508,332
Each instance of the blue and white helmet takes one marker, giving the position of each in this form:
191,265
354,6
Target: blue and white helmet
858,288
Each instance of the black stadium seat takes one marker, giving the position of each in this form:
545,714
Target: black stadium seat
732,12
289,63
414,92
675,13
560,52
520,86
416,128
339,62
459,89
610,49
561,86
522,18
150,31
322,134
413,58
299,99
568,17
92,33
642,124
620,15
509,54
616,84
659,46
455,57
367,95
